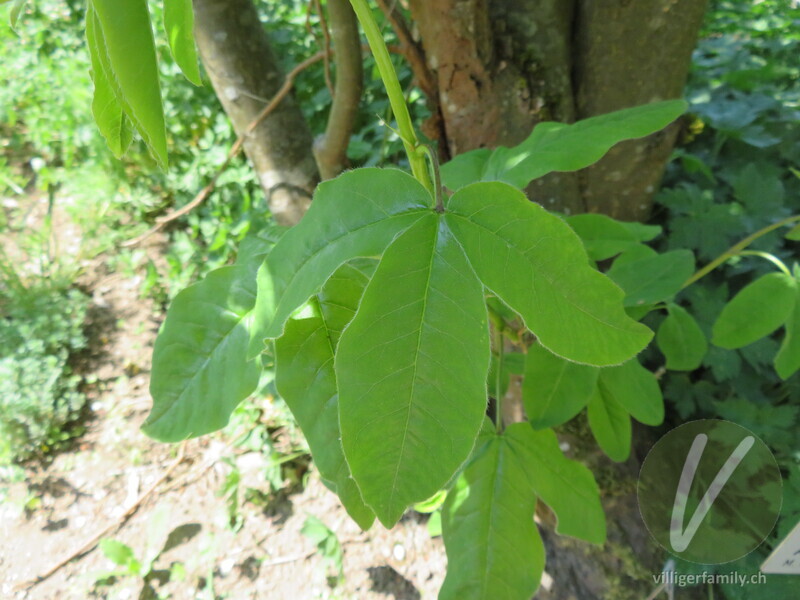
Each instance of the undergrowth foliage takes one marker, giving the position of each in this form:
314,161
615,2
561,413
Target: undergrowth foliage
39,395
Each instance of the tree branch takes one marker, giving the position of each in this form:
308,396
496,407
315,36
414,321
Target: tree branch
316,5
330,150
237,146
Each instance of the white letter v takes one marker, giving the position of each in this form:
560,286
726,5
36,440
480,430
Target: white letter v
679,538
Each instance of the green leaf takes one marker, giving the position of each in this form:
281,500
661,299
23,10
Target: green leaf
305,379
123,31
435,524
537,265
179,21
412,371
358,214
635,389
465,168
787,361
681,340
494,551
108,113
117,552
555,390
513,364
565,485
756,311
561,147
15,12
200,368
610,425
432,504
653,279
604,237
794,234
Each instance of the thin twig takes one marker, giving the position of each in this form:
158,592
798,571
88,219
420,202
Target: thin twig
737,248
95,539
317,6
326,34
237,146
330,150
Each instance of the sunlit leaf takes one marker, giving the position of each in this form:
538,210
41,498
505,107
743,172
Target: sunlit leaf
536,264
200,367
411,369
305,379
494,550
357,214
108,112
560,147
178,22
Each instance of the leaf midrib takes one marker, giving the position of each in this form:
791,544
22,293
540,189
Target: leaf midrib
295,275
416,363
542,275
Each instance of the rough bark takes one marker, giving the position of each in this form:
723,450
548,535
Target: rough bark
503,66
245,74
330,150
629,53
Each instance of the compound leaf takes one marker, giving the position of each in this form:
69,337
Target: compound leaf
555,390
681,340
494,550
411,369
565,485
635,389
610,425
756,311
305,379
178,22
537,265
357,214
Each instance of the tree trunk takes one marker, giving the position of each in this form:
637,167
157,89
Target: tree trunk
245,74
330,149
629,53
503,66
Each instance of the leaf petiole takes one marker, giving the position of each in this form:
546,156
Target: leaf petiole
767,256
393,91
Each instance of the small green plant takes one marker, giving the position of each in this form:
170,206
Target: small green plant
40,328
160,539
328,546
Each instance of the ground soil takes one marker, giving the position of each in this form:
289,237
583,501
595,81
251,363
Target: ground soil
89,486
